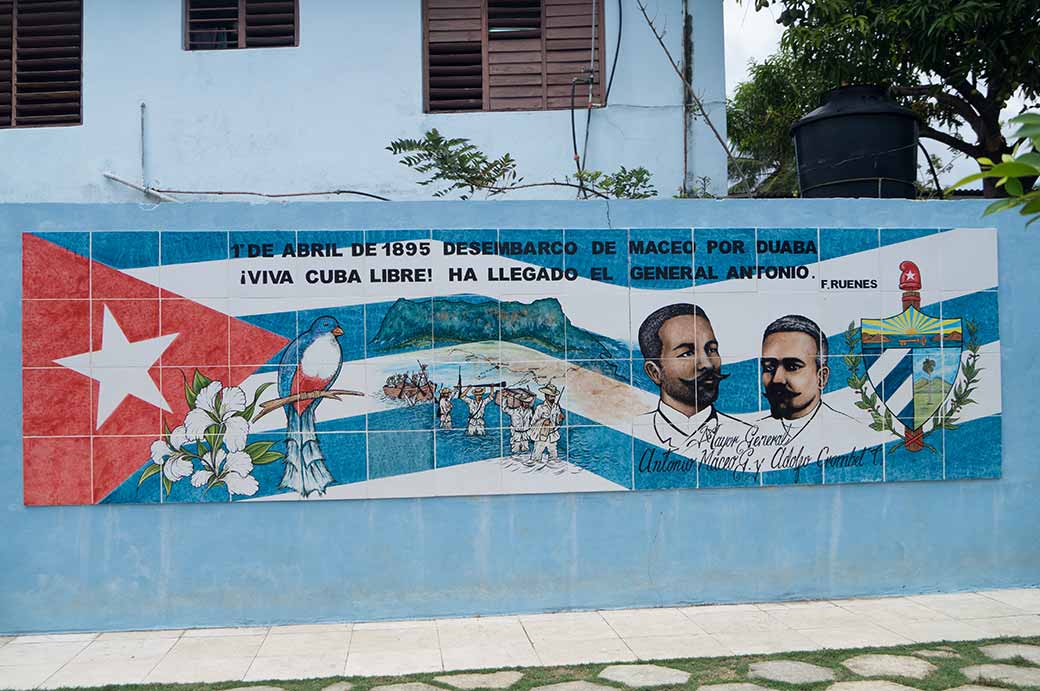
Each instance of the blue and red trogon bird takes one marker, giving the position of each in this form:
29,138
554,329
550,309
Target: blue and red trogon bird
309,366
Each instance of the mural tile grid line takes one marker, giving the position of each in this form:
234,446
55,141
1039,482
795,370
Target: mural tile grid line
201,366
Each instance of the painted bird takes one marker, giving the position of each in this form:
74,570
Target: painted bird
310,363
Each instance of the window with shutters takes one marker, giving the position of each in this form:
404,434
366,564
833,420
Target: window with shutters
225,24
40,62
512,54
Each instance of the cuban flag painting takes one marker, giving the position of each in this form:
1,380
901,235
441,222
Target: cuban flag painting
189,366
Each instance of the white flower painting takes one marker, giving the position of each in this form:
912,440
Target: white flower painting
210,447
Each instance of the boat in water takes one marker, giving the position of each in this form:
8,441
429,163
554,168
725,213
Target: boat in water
410,387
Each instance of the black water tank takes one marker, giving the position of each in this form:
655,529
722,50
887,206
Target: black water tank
859,143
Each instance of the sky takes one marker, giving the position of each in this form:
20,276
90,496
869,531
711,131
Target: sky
752,35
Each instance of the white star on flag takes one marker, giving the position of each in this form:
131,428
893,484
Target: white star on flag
121,367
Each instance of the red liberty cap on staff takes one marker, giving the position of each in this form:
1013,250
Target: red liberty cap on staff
910,284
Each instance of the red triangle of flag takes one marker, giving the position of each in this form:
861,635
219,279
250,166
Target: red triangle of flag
67,459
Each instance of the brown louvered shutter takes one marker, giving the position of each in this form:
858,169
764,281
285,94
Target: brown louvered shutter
568,44
225,24
40,61
509,54
454,55
515,64
6,61
270,23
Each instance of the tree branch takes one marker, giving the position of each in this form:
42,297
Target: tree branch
968,91
275,196
693,96
554,183
949,140
274,404
958,104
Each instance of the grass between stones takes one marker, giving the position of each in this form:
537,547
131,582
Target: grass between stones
703,671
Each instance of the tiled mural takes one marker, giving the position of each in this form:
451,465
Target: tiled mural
169,366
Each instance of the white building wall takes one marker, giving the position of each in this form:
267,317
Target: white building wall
319,116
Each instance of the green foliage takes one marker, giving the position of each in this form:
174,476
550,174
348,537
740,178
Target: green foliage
1016,173
759,117
624,184
701,189
955,62
456,163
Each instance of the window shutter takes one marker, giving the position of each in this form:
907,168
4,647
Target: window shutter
224,24
515,64
509,54
6,61
270,23
211,24
568,41
454,55
40,62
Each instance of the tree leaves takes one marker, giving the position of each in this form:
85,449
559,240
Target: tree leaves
624,184
1016,174
955,62
759,117
457,166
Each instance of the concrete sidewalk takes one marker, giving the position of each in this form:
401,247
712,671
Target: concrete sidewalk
404,647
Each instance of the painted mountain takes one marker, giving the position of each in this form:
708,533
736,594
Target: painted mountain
541,324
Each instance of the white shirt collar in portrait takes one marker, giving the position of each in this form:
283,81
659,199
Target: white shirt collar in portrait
670,423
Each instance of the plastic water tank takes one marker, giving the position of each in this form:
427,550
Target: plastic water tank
859,143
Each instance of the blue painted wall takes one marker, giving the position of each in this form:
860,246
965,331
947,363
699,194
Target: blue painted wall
112,567
318,116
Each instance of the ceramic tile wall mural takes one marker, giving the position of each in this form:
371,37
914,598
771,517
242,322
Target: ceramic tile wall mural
168,366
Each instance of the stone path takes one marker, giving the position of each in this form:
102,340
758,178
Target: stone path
790,672
493,680
889,666
1008,674
869,686
641,676
396,648
1009,651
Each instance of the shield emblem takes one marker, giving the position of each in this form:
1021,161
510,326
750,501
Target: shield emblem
912,362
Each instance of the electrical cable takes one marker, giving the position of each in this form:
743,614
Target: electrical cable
574,141
617,51
931,166
591,81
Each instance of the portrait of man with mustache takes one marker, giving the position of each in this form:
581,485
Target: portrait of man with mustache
682,358
795,374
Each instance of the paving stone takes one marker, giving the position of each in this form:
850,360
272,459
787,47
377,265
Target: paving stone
339,686
738,686
571,686
1008,674
936,653
790,672
640,676
889,666
410,686
492,680
869,686
1007,651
